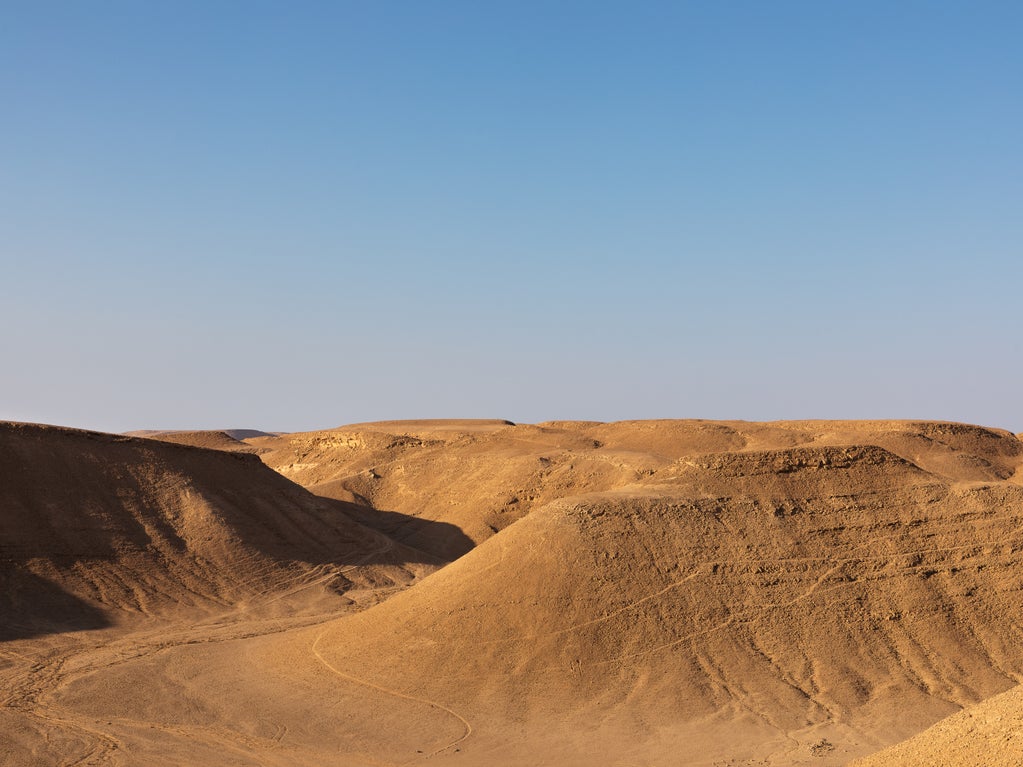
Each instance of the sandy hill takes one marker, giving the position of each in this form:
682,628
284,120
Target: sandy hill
104,522
249,433
808,603
474,478
640,593
114,547
212,439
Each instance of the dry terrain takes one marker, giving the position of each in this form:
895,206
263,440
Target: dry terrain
486,593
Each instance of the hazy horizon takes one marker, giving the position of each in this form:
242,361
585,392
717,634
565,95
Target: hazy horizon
251,216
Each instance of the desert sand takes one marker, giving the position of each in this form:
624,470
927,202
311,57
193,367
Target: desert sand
489,593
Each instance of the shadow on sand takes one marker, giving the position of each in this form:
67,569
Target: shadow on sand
442,540
32,606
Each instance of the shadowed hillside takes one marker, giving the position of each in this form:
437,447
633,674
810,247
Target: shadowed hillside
141,526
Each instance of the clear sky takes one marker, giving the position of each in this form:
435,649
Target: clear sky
297,215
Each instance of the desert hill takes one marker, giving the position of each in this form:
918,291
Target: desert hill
213,439
239,434
105,535
634,593
138,526
803,603
217,439
481,476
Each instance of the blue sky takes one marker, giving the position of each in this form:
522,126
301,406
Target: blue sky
292,216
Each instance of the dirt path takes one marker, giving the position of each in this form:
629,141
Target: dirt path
34,692
31,690
397,694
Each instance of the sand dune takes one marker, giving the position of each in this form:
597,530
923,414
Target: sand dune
656,593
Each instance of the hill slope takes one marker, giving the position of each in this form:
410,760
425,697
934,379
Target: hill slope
799,603
133,526
215,440
114,549
481,476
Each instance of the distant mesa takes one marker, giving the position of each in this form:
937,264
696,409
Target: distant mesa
250,433
234,433
463,425
222,439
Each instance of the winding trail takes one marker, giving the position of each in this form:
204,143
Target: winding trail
30,691
467,727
